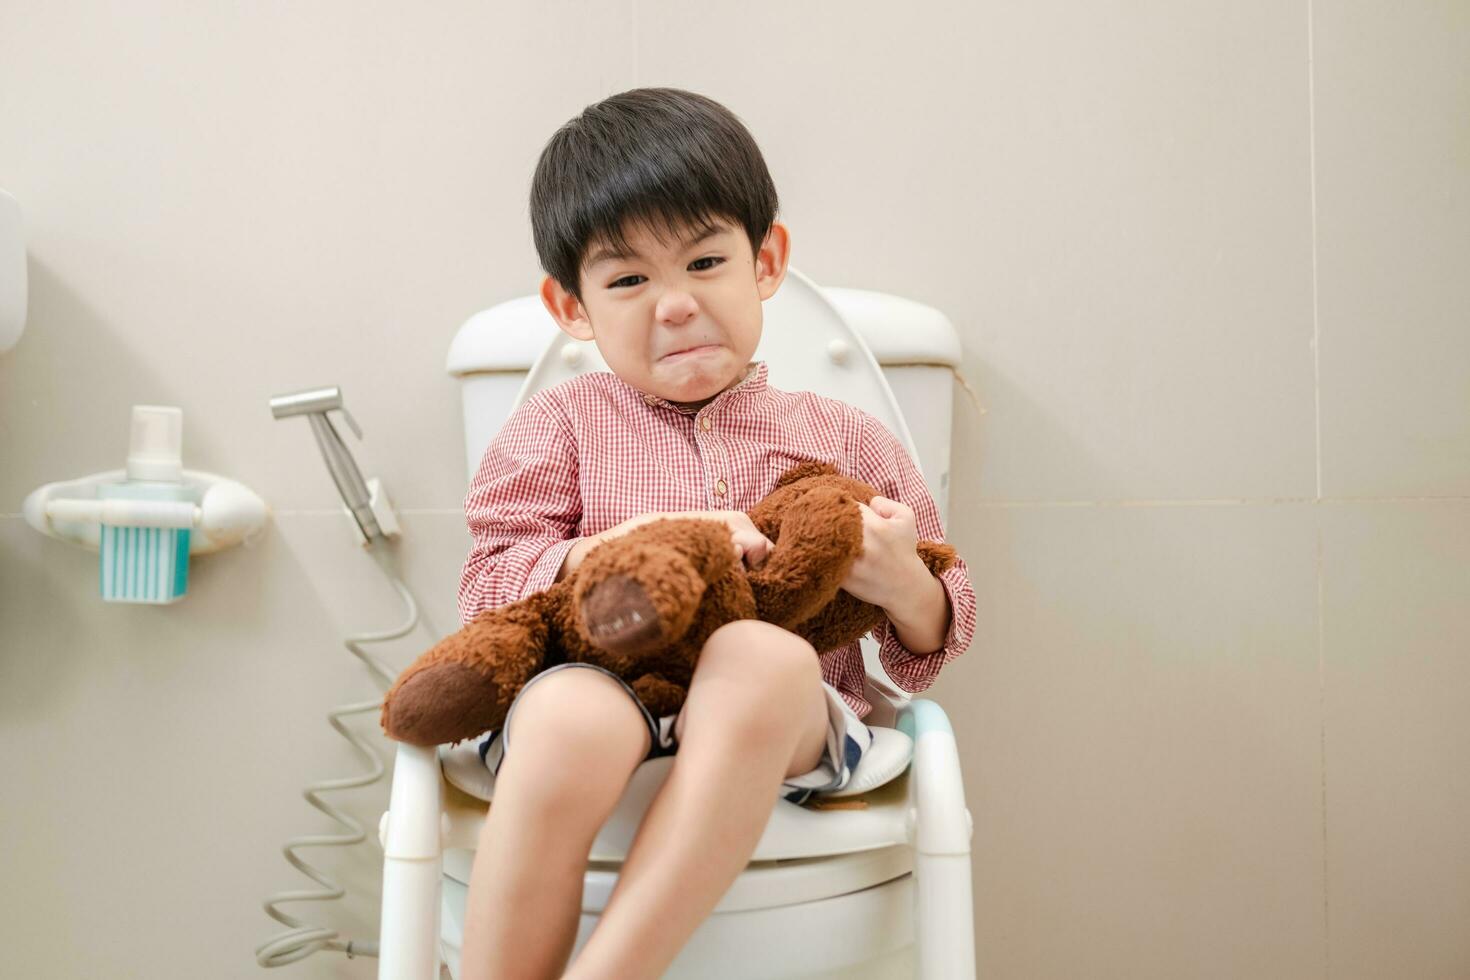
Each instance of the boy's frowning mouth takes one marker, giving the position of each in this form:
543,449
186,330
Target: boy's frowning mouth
694,350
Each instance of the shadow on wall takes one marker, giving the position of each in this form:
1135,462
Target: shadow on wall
982,442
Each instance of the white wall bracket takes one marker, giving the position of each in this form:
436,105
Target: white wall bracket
228,513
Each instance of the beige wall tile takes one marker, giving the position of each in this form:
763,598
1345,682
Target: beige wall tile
1140,727
1111,201
228,203
224,204
155,756
1393,242
1396,612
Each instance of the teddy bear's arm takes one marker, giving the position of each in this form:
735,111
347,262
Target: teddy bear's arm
847,618
820,536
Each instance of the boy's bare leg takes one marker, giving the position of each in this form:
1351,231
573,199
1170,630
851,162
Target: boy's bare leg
756,714
577,739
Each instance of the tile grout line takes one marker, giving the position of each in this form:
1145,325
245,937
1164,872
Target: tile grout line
1316,313
1213,502
1317,420
984,505
1322,749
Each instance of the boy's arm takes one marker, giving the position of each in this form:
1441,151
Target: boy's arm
913,646
921,614
523,509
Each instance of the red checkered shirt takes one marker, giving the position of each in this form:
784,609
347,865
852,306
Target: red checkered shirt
592,452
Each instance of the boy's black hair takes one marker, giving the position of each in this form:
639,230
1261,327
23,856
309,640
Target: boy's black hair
663,157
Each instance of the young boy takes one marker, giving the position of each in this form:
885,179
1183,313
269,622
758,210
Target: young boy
654,215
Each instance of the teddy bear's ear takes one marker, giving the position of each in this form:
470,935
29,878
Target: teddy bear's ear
803,470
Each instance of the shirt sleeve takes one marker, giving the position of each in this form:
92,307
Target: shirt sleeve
523,509
885,464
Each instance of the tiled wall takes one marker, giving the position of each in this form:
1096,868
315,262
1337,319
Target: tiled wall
1208,263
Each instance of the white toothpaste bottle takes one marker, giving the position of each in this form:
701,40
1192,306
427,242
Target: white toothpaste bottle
148,564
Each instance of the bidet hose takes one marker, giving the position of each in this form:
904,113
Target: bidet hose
303,939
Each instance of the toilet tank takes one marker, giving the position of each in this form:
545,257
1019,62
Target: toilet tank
919,351
915,345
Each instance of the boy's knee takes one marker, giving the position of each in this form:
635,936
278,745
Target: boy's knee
773,669
762,651
577,714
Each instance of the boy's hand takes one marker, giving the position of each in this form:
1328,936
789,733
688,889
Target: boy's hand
889,567
749,543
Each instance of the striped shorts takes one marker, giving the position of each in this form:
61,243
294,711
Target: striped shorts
847,739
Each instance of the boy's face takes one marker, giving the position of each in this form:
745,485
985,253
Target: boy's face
678,319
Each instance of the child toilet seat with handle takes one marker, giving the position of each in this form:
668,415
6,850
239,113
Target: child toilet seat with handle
890,898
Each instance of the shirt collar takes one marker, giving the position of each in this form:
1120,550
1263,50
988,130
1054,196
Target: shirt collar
753,383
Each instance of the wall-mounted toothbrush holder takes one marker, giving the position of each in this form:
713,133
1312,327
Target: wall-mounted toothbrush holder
228,513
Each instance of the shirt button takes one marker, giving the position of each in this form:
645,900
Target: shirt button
720,487
704,423
649,399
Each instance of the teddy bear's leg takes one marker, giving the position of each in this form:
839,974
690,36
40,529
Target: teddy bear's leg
464,684
821,535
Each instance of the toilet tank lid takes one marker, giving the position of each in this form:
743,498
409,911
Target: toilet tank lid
510,336
898,330
507,337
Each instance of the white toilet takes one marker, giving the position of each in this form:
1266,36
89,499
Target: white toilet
880,890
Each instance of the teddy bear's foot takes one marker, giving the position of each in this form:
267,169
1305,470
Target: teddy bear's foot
464,684
444,702
619,616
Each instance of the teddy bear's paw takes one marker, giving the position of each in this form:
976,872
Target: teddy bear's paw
619,616
937,556
444,702
641,590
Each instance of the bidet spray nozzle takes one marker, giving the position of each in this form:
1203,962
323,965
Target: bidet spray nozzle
315,404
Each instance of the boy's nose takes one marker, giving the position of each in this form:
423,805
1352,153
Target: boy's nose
676,307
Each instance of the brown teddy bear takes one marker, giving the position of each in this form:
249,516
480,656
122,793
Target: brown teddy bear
642,605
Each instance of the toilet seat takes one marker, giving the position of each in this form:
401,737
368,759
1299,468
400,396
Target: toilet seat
877,819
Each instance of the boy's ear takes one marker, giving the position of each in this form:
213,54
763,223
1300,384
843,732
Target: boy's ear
771,260
565,309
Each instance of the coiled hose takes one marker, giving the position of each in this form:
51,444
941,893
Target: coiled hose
302,939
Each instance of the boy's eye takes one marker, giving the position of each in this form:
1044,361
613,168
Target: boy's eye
628,279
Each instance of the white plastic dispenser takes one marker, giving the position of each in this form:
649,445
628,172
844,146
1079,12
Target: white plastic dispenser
147,560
